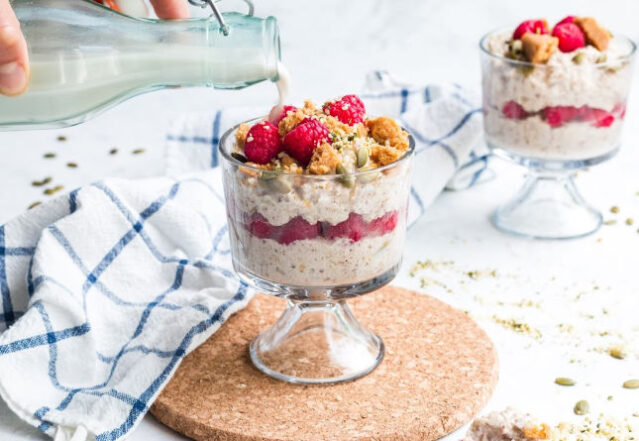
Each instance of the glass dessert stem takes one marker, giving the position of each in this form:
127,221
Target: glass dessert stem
548,206
317,342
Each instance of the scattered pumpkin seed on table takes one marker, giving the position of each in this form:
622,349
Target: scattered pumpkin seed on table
614,209
564,381
72,165
49,155
34,204
53,190
138,151
582,407
45,181
113,151
62,138
629,221
631,384
617,353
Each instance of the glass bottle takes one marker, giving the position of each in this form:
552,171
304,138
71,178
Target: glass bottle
85,58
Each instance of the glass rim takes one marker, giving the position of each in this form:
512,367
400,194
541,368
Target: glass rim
486,51
227,156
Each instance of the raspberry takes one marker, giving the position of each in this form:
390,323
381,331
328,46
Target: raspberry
534,26
570,36
513,110
556,116
352,228
384,224
349,109
260,228
569,19
600,118
297,229
262,143
282,115
619,110
303,139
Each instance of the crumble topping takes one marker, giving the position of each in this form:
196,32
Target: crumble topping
335,139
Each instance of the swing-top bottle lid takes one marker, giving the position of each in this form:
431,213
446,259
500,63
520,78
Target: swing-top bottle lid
216,11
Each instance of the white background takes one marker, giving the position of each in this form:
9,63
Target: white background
329,46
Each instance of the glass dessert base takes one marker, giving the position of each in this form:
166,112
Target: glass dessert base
317,342
548,206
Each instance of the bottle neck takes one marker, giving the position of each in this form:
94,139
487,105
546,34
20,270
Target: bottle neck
196,52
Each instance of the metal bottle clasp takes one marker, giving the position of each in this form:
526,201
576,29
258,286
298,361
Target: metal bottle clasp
216,11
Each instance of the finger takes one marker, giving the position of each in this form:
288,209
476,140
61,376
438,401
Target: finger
170,8
14,59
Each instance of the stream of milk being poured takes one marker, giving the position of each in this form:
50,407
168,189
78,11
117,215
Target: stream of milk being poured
283,89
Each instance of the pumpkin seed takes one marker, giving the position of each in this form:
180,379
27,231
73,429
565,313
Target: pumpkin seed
582,407
617,353
564,381
49,155
602,59
345,179
240,157
525,70
62,138
33,205
53,190
72,165
45,181
579,58
630,221
267,175
362,157
631,384
113,152
368,177
138,151
614,209
280,185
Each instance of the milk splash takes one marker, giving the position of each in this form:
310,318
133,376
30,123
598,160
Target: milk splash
283,89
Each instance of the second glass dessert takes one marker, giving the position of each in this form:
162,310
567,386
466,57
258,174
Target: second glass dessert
316,219
554,101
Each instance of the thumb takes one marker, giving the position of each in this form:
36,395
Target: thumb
14,58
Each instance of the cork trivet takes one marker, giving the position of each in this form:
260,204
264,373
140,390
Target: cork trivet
439,370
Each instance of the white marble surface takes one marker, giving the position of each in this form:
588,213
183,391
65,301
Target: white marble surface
328,47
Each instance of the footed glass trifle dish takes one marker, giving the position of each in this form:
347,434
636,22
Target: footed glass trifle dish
554,101
316,203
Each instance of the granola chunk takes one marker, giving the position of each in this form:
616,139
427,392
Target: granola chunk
385,154
538,48
385,130
240,135
596,35
324,161
293,119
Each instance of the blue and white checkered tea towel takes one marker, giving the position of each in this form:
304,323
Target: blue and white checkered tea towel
444,119
105,291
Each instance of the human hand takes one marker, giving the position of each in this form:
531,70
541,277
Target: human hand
14,58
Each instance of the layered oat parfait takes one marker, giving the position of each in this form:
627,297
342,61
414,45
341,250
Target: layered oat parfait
556,94
317,202
554,100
